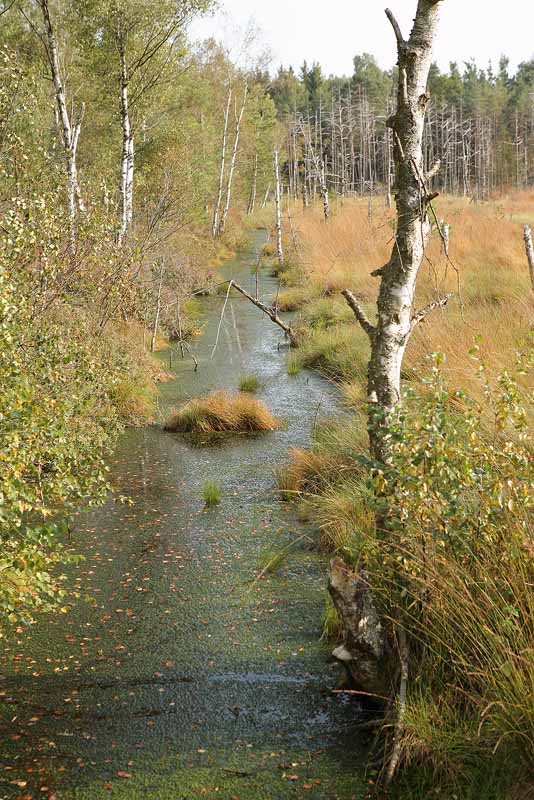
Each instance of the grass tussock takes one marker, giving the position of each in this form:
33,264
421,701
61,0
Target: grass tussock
211,492
331,629
249,383
222,411
293,299
271,560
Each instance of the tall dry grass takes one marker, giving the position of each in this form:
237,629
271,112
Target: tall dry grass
487,270
222,411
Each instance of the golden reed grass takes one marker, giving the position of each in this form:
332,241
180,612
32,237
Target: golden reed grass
487,270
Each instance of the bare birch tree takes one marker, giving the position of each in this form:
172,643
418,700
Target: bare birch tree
231,169
218,199
278,209
396,319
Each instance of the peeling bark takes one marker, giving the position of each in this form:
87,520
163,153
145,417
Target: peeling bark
366,651
390,335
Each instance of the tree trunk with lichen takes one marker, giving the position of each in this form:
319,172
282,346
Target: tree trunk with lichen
367,651
395,320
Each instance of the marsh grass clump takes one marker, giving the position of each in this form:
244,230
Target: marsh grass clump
272,559
293,299
293,365
340,353
249,383
221,412
342,513
211,492
331,628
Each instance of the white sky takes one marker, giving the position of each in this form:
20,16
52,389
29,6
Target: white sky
333,31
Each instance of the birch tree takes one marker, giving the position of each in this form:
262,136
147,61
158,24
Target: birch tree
69,128
231,169
278,208
141,43
396,319
218,199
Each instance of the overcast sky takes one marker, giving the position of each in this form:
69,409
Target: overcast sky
333,31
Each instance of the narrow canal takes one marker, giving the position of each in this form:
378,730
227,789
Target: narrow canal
179,674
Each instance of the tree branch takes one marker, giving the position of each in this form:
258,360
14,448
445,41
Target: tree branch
359,313
396,27
271,312
433,171
420,315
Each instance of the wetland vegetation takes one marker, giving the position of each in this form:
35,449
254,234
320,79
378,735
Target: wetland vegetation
266,408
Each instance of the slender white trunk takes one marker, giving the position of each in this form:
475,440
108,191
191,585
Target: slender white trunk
252,198
127,155
395,318
70,132
158,310
217,208
278,209
266,197
529,247
324,193
238,118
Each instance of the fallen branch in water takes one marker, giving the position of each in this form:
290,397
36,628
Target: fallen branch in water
269,311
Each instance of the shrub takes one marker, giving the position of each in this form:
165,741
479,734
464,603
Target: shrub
455,569
222,411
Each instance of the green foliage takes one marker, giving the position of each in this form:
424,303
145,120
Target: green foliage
454,565
51,453
211,492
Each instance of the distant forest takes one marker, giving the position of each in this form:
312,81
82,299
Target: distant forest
480,124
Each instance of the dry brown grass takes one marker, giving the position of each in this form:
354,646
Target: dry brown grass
307,472
222,411
488,264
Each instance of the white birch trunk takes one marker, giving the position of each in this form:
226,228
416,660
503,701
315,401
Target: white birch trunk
158,311
395,320
529,247
253,189
217,207
70,132
127,155
233,161
278,210
266,197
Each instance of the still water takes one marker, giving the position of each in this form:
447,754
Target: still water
182,675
